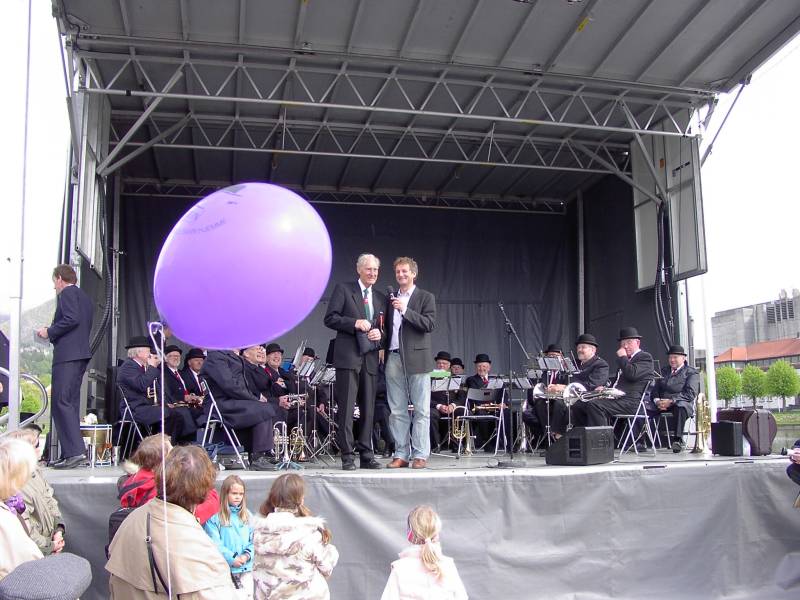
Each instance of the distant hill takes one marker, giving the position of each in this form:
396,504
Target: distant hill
32,319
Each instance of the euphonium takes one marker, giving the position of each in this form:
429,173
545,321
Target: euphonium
702,420
460,431
573,392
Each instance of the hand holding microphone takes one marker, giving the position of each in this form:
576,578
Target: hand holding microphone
397,304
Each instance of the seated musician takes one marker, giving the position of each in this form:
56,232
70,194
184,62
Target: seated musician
242,407
442,404
456,366
138,379
676,392
175,389
485,429
191,371
321,392
634,372
592,374
536,415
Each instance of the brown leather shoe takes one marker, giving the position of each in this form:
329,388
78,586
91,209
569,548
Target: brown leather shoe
397,463
419,463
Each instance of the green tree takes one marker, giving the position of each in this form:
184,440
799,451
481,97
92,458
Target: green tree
754,383
783,381
729,384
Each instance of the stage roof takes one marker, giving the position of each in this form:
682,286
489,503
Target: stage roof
498,104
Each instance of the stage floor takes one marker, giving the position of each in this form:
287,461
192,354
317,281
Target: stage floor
670,526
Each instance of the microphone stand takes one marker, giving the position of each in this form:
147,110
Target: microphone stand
511,463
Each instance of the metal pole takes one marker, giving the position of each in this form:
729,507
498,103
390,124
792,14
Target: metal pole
711,371
115,270
18,261
581,272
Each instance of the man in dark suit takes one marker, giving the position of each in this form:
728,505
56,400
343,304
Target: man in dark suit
177,393
676,392
442,404
241,406
411,316
634,373
137,377
592,374
193,363
536,416
69,334
354,311
486,429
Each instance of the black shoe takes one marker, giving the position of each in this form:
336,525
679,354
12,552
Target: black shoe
348,466
371,464
678,446
261,463
70,462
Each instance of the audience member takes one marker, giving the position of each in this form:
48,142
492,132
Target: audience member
294,556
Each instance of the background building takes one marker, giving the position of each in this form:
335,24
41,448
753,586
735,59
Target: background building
746,325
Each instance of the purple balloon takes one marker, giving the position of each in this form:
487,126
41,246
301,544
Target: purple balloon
242,266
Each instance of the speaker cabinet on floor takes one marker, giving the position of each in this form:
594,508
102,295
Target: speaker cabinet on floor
583,446
726,438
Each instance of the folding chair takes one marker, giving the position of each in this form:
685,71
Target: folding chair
484,397
629,435
133,427
213,419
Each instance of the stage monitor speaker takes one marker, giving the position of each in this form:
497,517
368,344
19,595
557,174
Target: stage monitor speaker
583,446
726,438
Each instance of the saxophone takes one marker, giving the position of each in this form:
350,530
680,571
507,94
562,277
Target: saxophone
702,411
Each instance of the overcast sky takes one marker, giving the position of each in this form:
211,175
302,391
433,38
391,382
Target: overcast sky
750,186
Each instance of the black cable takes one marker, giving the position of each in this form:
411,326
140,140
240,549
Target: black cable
99,334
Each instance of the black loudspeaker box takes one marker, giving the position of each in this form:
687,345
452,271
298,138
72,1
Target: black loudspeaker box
726,438
583,446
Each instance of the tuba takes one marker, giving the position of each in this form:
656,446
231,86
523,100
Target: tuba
573,392
460,430
702,411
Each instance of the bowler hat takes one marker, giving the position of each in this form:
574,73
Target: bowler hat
553,348
309,351
172,348
273,347
587,338
442,355
629,333
139,341
676,349
195,353
481,358
457,362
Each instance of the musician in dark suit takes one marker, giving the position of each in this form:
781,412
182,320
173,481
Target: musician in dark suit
410,318
192,365
592,374
241,406
554,382
485,429
354,310
442,404
176,392
136,377
676,392
69,333
634,373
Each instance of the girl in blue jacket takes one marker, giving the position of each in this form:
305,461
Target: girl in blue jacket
231,531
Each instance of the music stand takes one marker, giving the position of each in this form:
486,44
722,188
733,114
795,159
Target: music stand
480,397
442,384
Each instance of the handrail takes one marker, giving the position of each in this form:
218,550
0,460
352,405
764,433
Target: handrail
42,392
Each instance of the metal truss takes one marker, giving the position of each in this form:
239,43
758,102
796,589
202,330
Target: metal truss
138,187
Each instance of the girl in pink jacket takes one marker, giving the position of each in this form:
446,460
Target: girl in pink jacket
422,572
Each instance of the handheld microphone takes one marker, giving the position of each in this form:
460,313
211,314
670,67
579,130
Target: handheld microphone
390,292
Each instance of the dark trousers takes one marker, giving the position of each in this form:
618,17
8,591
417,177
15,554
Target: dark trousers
439,425
793,471
66,405
180,423
558,414
600,412
380,427
679,416
257,417
355,385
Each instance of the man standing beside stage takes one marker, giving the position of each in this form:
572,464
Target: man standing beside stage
69,334
352,311
410,318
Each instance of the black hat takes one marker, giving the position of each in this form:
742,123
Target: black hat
172,348
587,338
273,347
442,355
481,358
195,353
457,362
553,348
139,341
676,349
309,351
629,333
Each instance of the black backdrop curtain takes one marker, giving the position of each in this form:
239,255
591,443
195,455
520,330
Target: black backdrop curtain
470,260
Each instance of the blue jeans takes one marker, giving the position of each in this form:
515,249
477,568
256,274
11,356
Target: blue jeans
409,443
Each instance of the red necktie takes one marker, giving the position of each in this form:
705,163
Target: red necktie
485,381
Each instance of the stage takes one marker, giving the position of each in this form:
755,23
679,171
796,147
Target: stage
673,526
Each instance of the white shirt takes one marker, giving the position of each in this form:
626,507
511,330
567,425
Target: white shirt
369,297
397,319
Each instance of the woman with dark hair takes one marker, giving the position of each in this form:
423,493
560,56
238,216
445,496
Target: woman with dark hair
294,556
143,565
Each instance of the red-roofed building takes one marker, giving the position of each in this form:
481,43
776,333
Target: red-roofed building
761,354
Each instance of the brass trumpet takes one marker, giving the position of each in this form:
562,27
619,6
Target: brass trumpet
152,393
